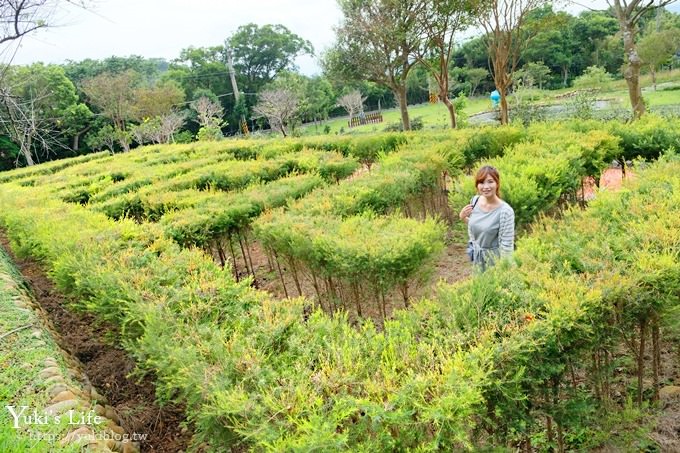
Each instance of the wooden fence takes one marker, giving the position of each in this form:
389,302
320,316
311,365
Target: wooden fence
368,118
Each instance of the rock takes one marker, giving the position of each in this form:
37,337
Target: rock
669,392
99,410
100,447
73,436
56,389
74,374
113,444
54,380
61,407
95,395
130,447
49,372
63,396
112,415
50,362
36,334
115,428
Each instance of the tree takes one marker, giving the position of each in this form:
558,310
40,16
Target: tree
375,42
113,95
658,47
629,13
352,102
170,123
40,109
104,137
438,22
159,129
278,106
320,98
593,77
590,32
261,53
555,46
534,73
506,37
209,116
156,100
149,69
475,76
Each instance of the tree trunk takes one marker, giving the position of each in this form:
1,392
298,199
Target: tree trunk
505,117
26,152
632,71
653,72
641,361
400,93
76,138
450,107
565,75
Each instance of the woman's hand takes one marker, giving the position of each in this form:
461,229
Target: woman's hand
464,214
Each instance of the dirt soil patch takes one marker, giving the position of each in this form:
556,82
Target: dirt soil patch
107,366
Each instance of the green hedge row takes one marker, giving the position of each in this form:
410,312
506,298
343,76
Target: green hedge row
160,191
477,366
536,174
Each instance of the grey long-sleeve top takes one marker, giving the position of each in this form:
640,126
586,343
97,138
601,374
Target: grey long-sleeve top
492,233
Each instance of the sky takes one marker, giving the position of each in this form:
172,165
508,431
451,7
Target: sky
162,28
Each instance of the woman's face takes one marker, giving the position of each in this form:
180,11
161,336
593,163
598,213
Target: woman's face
487,187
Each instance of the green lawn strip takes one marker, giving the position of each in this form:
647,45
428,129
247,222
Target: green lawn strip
23,355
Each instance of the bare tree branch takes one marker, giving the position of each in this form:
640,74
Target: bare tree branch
208,112
352,102
279,106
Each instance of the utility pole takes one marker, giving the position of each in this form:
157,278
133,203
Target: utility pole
232,75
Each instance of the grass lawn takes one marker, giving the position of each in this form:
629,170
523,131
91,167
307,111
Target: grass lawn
437,116
432,115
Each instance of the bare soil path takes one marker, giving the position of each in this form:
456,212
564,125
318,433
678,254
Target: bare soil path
106,365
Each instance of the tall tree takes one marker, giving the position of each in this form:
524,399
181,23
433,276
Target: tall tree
555,46
590,32
157,100
629,13
261,53
113,95
375,42
506,37
475,76
40,109
438,22
658,47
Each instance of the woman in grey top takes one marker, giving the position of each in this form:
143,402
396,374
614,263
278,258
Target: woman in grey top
491,221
